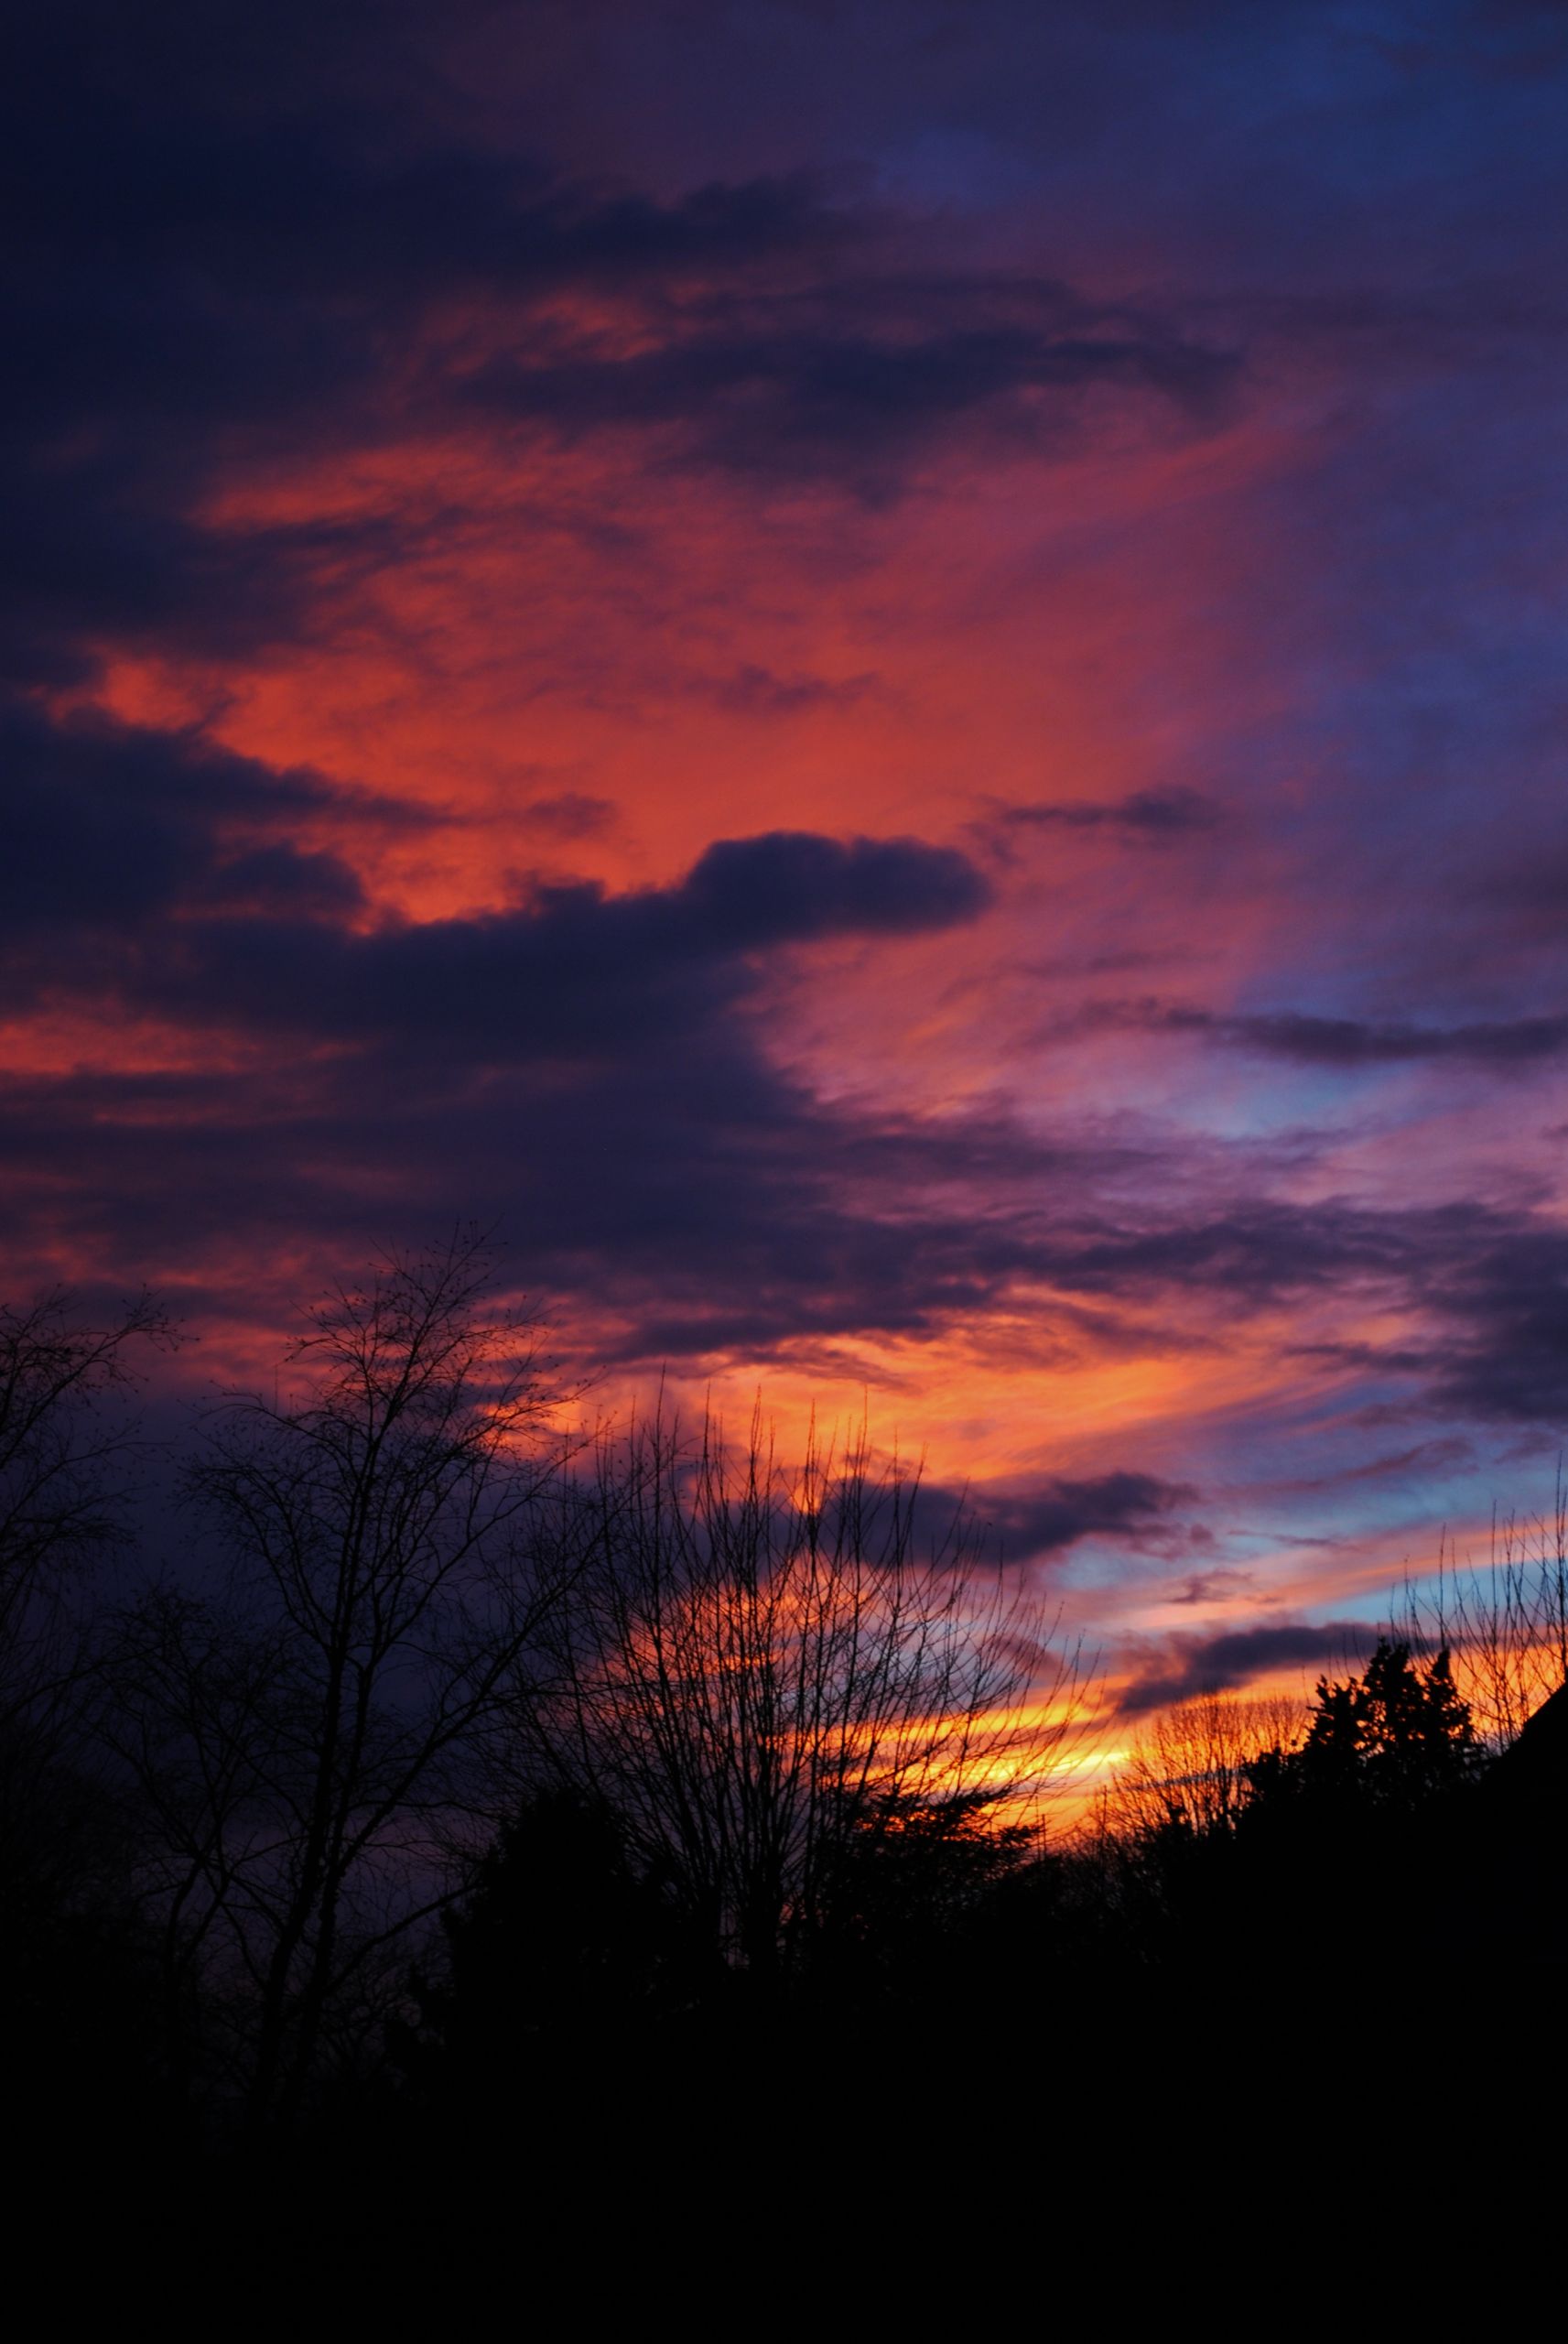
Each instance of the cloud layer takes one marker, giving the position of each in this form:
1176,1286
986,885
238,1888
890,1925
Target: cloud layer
890,680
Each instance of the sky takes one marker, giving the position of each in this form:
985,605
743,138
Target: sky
888,679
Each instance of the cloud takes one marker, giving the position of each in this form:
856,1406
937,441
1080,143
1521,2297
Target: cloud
1257,1247
789,884
1029,1520
1353,1042
583,1065
108,828
1238,1656
686,1194
105,826
586,1067
1208,1587
209,265
266,243
1059,1511
574,971
1348,1043
256,229
768,396
1506,1301
1159,813
213,263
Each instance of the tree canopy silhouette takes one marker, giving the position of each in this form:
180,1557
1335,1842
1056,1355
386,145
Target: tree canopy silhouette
1393,1737
765,1674
305,1741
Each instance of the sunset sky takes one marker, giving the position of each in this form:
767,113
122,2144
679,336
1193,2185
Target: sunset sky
889,678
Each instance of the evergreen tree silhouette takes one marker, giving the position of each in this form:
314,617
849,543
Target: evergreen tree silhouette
563,1962
1394,1736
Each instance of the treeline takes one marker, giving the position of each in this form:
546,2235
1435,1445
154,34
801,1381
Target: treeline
414,1631
458,1772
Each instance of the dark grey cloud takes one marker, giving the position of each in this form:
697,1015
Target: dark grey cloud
235,236
1258,1248
1208,1587
1236,1656
103,828
1163,813
586,1068
1300,1038
178,309
584,1065
1489,1285
685,1193
1041,1519
1505,1354
1053,1514
573,971
208,258
1354,1042
835,398
166,852
791,884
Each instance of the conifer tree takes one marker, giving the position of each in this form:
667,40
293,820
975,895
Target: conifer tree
1396,1735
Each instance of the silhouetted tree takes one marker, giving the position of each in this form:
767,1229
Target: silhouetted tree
763,1678
64,1449
562,1967
75,1965
1393,1737
1504,1621
1349,1857
1188,1766
308,1743
905,1887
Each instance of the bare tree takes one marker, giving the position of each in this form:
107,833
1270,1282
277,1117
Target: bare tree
74,1973
1189,1764
305,1743
1504,1621
760,1664
64,1449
